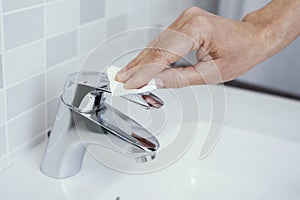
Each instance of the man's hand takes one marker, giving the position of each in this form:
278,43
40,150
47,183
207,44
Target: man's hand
225,48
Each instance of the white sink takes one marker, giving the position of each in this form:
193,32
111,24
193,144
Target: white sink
257,157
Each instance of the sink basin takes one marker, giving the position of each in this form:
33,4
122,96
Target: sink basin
256,157
244,165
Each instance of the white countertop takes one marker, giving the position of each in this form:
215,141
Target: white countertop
24,180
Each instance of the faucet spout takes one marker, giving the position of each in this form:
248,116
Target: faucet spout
86,119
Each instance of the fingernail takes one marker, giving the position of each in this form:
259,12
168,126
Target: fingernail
128,85
120,76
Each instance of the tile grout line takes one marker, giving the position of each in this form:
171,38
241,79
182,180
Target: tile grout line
4,85
54,97
78,34
25,112
41,39
42,72
31,143
54,35
14,11
45,67
26,8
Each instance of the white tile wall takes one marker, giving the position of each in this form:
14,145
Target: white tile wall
0,34
42,41
114,8
9,5
133,5
2,141
91,10
24,96
61,16
2,107
136,19
3,148
61,48
116,25
24,129
1,72
91,35
57,76
23,27
17,63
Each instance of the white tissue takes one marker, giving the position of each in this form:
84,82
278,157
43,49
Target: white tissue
117,88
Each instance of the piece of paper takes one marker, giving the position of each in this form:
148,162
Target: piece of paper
117,88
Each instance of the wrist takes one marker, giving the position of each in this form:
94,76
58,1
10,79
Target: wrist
264,34
277,24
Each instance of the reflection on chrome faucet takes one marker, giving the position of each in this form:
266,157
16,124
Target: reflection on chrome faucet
84,117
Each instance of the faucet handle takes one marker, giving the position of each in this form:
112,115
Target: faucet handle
84,93
147,100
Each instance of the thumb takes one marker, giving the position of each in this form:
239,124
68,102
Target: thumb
202,73
178,77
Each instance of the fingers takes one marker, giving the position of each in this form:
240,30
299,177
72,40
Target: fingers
173,43
203,73
168,48
176,26
178,77
143,74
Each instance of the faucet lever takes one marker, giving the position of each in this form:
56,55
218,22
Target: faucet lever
147,100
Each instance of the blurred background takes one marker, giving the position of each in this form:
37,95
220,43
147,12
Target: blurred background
42,41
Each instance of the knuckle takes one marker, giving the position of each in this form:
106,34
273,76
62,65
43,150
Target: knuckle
191,11
199,26
197,21
157,54
132,63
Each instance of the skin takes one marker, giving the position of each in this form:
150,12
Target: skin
225,48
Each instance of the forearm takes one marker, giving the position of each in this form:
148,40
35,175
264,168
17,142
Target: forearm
278,24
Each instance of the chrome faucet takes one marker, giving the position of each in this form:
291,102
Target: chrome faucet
85,117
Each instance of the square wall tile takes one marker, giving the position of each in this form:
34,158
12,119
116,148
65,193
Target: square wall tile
136,19
61,48
91,35
114,8
24,96
2,141
26,127
2,107
61,16
51,111
91,10
116,25
23,27
23,62
133,5
159,13
56,77
9,5
1,73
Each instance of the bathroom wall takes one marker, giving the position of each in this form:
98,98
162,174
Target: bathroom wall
42,41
